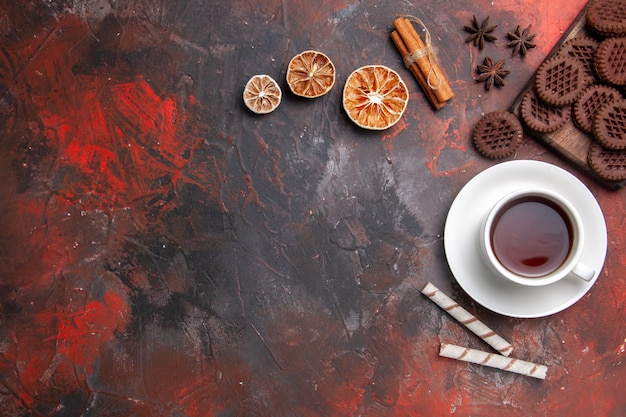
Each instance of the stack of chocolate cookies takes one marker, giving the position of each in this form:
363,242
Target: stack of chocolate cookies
585,80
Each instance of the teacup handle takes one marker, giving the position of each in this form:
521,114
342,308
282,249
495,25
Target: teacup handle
582,271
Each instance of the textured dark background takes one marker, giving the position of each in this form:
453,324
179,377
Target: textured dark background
165,252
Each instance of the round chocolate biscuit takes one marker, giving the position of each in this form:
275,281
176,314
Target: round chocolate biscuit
497,134
560,80
608,164
582,48
590,101
609,125
540,116
610,61
607,17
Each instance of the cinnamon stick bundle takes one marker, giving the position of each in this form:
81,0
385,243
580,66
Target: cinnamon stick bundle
421,63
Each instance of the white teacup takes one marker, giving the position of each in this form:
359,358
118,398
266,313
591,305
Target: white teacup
534,237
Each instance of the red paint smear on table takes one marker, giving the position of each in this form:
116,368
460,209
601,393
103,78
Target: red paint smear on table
114,138
396,381
119,155
115,133
113,141
434,148
52,350
314,13
79,335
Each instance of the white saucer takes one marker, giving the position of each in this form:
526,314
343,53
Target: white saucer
463,254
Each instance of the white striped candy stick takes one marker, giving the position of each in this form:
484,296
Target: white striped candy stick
493,360
467,319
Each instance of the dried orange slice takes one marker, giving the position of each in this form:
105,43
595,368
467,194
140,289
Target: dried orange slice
310,74
375,97
262,94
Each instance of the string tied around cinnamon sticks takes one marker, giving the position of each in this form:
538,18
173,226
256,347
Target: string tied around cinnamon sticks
427,51
421,60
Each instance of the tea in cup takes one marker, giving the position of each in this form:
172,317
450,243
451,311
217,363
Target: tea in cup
534,237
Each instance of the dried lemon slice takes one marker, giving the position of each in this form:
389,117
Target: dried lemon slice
375,97
262,94
310,74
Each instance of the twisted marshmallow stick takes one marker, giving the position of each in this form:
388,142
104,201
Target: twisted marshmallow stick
467,319
493,360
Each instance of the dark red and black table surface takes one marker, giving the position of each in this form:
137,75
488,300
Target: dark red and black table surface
167,252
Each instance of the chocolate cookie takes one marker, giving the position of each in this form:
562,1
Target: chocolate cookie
607,17
560,80
610,61
590,101
609,125
542,117
582,48
608,164
498,134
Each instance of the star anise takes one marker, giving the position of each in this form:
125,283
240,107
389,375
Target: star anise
521,41
491,73
480,32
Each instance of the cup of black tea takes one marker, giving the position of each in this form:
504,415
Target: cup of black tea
534,237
